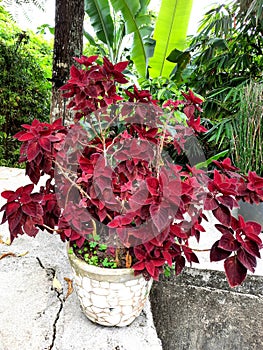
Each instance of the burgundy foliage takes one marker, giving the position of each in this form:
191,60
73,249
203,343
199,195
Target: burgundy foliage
111,171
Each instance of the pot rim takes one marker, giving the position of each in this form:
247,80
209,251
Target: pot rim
104,271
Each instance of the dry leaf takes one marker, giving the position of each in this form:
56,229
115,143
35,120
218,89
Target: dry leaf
56,284
70,287
7,254
128,260
7,242
22,254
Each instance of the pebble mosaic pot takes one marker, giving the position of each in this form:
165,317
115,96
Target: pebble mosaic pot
110,297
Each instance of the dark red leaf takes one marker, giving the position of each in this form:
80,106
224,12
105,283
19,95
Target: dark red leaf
152,185
7,194
210,202
217,254
179,264
251,247
27,189
33,151
256,227
11,208
25,137
228,201
45,143
159,216
30,228
235,271
223,229
190,255
121,66
246,259
223,215
15,220
138,266
150,267
177,231
228,242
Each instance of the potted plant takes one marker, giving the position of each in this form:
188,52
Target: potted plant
127,189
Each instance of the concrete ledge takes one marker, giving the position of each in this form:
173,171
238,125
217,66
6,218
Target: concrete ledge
198,311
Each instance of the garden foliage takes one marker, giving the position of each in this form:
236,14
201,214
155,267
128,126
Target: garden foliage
25,66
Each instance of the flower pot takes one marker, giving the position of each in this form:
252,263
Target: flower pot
110,297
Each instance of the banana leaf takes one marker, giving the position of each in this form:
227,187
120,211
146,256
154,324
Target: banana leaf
138,24
170,33
101,20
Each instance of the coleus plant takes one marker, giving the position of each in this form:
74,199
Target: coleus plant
114,172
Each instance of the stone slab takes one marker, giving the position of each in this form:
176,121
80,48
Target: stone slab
200,312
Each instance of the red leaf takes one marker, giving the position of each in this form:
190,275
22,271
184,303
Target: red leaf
190,256
228,201
11,208
228,242
15,220
45,143
235,271
30,228
223,229
152,185
159,216
210,202
26,189
223,215
30,209
139,253
167,256
119,67
217,254
25,137
150,267
177,231
246,259
251,247
74,73
140,265
7,194
179,264
33,151
256,227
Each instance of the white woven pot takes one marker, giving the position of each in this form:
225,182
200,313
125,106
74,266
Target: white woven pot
110,297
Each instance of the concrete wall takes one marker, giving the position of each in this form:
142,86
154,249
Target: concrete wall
198,311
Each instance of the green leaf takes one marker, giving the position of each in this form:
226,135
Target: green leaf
170,33
137,24
101,20
210,160
93,43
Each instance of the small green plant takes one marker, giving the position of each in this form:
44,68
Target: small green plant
169,270
94,253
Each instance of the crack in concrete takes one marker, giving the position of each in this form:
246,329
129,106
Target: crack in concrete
56,320
51,273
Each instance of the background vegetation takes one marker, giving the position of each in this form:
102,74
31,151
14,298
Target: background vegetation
25,66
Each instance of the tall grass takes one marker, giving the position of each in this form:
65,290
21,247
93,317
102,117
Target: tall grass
248,129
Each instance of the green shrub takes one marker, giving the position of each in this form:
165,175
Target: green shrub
25,66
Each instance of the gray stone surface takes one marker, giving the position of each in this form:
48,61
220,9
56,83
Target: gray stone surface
34,316
198,311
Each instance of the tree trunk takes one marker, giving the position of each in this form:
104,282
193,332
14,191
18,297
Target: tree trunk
68,43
